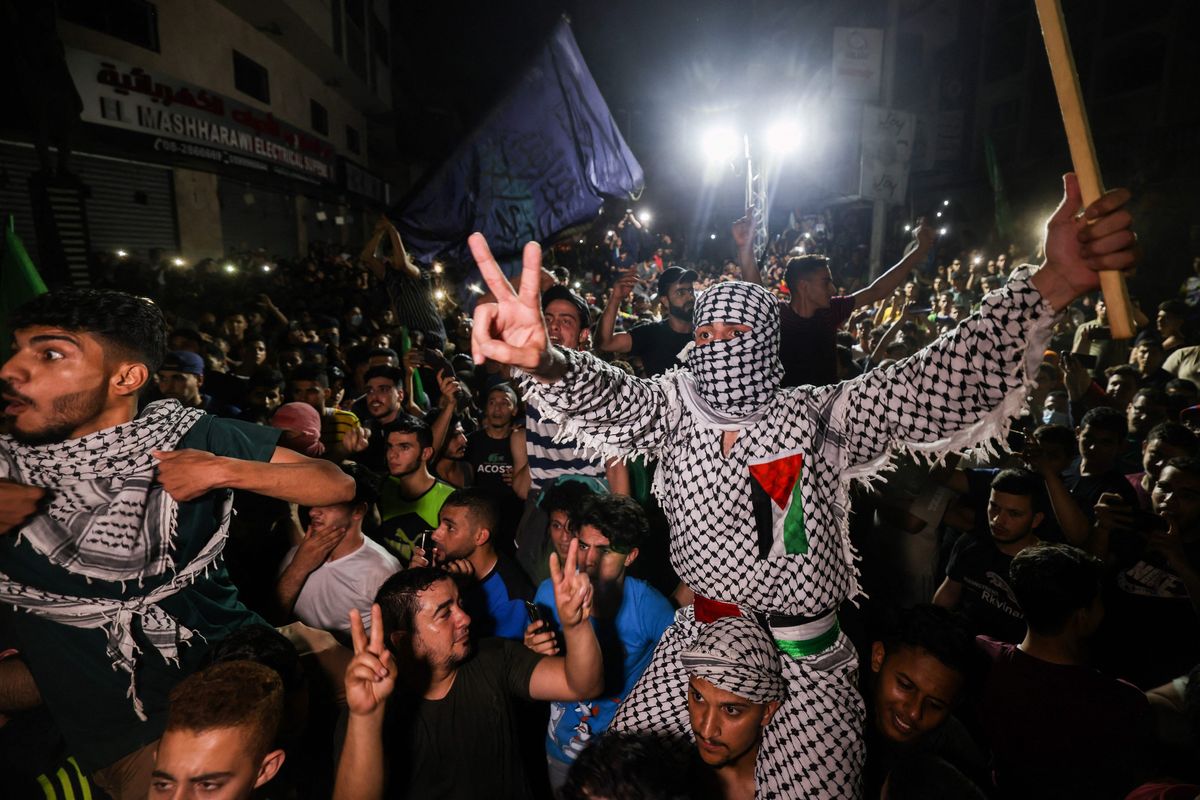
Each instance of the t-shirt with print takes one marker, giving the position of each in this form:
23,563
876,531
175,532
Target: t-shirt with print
403,520
658,346
464,746
628,642
987,600
808,345
74,673
1150,634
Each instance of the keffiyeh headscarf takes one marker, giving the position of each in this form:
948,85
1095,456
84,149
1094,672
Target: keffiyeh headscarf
735,378
737,655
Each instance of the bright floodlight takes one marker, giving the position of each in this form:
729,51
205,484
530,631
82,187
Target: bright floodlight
945,202
907,228
230,268
266,267
939,214
783,137
712,236
720,144
439,294
577,285
644,216
179,262
977,260
121,254
943,231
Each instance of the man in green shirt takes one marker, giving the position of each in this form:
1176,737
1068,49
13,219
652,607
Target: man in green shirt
410,497
109,575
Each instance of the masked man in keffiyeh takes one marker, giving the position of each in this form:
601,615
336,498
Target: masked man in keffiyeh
110,582
754,477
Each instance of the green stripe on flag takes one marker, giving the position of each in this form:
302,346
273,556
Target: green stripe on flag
809,647
19,281
795,541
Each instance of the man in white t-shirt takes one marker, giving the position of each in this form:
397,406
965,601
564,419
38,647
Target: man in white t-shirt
335,567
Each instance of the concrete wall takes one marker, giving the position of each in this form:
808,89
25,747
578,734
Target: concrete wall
198,214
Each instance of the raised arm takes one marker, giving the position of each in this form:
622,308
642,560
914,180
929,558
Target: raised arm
602,407
606,340
370,252
743,239
962,389
887,283
370,679
580,673
290,476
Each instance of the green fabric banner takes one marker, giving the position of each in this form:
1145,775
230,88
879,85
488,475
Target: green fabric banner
19,281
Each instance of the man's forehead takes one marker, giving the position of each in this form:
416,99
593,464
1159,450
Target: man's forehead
562,308
436,594
381,383
590,534
1179,479
715,694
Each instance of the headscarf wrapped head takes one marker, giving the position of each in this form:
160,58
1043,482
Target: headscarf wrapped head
737,655
738,376
303,423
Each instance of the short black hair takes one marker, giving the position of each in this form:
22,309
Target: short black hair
619,518
375,352
310,372
261,644
565,495
1155,395
397,597
407,423
633,766
132,326
1188,464
1128,370
1018,481
479,502
798,267
393,374
1057,436
1175,434
366,483
944,634
1053,581
1108,420
265,378
1175,307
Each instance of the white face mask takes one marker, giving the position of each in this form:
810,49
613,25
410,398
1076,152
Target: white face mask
738,376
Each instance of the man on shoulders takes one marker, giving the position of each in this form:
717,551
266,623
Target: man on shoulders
108,624
810,320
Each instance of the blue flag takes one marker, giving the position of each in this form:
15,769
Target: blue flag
541,162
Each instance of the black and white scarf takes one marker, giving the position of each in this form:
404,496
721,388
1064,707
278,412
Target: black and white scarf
106,518
737,655
729,383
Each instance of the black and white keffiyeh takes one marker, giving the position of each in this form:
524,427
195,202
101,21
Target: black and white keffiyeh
106,518
737,655
733,380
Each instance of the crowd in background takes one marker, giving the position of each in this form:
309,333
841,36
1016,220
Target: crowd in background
1079,540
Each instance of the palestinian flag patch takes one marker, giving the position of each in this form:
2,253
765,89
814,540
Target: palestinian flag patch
775,493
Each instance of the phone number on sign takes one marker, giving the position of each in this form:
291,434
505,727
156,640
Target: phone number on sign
183,148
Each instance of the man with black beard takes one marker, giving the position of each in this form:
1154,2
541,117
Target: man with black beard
656,343
112,524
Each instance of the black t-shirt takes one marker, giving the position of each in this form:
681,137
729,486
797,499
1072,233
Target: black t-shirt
1086,489
1150,633
657,346
987,600
491,459
464,746
808,345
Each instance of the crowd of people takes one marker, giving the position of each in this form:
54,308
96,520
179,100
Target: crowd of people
642,527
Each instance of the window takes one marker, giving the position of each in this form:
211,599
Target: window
251,78
352,142
320,118
134,21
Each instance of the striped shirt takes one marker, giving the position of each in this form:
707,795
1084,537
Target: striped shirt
412,300
548,459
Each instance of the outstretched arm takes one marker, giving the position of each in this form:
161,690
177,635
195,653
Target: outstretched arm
743,238
290,476
887,283
961,389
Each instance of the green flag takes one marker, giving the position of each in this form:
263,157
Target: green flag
19,281
1003,212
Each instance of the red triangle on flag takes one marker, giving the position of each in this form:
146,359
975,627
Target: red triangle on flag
778,478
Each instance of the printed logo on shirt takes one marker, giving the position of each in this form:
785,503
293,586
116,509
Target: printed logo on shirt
776,497
995,592
1147,580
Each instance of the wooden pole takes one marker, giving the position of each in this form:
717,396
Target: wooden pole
1083,151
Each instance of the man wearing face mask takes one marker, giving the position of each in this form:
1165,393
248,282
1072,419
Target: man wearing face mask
754,477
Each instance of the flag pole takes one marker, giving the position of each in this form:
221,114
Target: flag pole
1083,151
